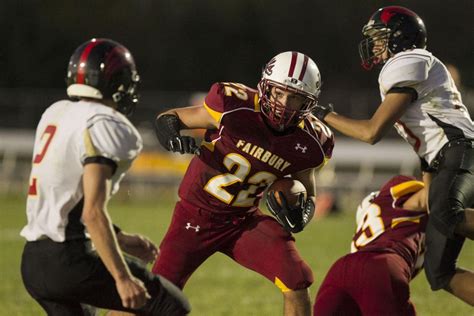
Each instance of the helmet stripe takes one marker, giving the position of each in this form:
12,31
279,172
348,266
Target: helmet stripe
81,68
294,57
303,68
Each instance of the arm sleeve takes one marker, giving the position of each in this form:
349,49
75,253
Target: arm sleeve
110,138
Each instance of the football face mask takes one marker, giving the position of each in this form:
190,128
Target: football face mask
283,106
373,47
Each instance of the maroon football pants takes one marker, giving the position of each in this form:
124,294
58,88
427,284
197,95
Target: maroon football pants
366,283
254,240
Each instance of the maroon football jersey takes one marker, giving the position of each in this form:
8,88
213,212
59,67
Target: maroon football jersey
383,225
240,158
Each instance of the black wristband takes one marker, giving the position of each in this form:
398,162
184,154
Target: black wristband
116,229
167,126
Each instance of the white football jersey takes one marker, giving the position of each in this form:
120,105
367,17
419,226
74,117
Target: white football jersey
67,134
438,114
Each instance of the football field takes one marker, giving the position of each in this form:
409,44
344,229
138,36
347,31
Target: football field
220,286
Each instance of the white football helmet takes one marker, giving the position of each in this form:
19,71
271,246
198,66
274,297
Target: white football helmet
294,72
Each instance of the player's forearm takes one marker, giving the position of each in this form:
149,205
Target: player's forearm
192,117
427,177
359,129
104,239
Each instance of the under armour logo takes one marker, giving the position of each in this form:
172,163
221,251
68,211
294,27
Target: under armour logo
299,147
196,228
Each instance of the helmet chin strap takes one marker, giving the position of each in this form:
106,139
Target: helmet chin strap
276,127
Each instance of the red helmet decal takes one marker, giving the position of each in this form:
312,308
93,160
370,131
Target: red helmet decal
115,60
81,68
388,12
269,67
386,16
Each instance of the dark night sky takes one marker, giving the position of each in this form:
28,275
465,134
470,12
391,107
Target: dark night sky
187,45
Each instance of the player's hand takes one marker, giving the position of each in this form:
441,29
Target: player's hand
183,145
138,246
320,111
167,129
292,219
132,292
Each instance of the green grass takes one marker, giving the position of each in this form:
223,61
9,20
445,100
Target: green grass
220,286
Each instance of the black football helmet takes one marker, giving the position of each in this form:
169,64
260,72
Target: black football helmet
104,69
398,27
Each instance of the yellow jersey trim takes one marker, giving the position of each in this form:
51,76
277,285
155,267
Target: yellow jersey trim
406,188
256,104
209,145
399,220
325,161
215,115
281,285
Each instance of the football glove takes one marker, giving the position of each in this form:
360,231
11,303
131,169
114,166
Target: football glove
320,111
167,129
292,219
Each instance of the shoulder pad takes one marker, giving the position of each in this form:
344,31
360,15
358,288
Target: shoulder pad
111,137
227,96
405,69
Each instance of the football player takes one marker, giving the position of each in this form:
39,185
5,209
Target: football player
420,98
83,147
387,253
252,138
